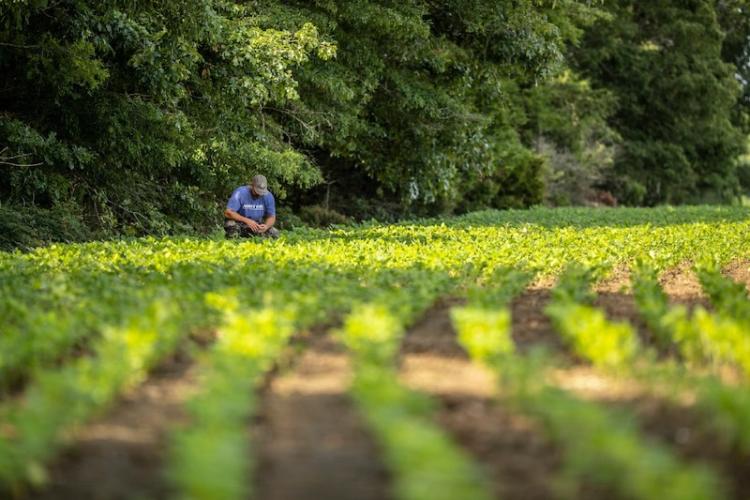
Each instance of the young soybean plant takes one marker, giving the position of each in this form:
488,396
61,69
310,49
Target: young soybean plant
487,313
599,446
586,328
703,338
729,297
425,463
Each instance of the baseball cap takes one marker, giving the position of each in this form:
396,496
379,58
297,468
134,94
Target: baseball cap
260,184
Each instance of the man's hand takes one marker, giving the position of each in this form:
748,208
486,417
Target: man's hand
262,228
254,226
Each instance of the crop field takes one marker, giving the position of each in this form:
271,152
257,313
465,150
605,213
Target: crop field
548,353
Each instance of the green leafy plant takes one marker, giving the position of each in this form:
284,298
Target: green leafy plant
586,328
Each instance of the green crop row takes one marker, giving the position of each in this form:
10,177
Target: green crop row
44,316
425,463
600,447
701,338
615,346
210,458
729,298
136,271
53,299
56,302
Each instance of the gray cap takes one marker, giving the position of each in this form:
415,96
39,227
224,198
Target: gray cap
260,184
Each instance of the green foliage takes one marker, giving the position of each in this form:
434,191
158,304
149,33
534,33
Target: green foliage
701,337
26,227
144,115
574,286
319,216
606,448
64,398
483,332
729,297
140,117
653,304
498,287
568,127
592,336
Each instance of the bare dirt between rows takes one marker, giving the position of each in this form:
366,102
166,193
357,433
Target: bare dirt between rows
517,460
739,271
310,440
531,328
121,455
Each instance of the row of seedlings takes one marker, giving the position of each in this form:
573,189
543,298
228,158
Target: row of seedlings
209,457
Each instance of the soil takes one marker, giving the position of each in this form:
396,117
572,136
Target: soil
682,286
621,307
516,459
530,326
739,271
614,296
681,426
122,454
310,440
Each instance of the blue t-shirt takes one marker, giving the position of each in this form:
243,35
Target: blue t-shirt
244,203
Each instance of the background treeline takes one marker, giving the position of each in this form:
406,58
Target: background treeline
136,117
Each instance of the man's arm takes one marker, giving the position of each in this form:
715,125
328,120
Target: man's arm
231,214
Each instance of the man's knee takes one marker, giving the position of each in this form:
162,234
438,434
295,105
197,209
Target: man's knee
273,233
232,229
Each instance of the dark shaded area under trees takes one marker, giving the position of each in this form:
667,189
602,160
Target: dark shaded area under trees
132,117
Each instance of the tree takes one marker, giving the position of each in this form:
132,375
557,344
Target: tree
675,94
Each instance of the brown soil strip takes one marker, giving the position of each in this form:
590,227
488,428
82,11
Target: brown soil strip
310,440
739,271
618,281
122,454
682,286
519,462
531,327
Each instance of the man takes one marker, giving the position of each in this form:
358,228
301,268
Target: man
251,211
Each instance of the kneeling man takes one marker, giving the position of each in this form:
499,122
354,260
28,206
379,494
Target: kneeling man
251,211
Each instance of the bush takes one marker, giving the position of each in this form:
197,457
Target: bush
27,227
286,219
572,179
319,216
